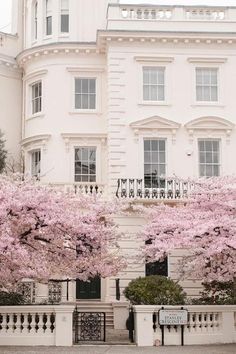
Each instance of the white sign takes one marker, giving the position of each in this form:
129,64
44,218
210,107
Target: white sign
173,317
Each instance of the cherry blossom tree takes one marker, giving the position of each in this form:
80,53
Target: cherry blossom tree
47,234
205,226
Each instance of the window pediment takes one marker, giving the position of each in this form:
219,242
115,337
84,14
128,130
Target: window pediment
210,124
156,123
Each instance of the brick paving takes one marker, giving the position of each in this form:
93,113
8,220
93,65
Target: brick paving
107,349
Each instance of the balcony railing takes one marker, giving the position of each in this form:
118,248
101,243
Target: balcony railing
145,13
88,188
170,189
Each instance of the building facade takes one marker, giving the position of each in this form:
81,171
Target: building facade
108,98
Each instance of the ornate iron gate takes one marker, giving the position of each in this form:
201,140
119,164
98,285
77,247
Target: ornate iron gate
89,326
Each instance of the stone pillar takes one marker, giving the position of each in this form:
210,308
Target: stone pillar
121,314
64,325
228,324
143,321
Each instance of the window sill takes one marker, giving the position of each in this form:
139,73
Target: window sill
154,103
47,37
64,35
36,115
207,104
85,111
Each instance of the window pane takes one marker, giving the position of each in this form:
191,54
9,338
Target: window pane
161,93
153,76
78,169
154,167
214,94
162,157
147,145
162,145
147,157
146,93
78,101
85,154
92,86
153,93
49,25
64,23
145,76
155,145
92,102
85,85
78,84
78,154
216,170
85,102
209,158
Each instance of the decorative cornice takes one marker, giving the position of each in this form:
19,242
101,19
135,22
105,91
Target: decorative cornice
155,59
155,124
82,68
42,139
207,60
209,124
8,62
56,49
83,138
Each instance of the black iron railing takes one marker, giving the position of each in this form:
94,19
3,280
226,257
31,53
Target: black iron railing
168,188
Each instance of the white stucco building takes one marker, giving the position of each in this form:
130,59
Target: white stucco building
112,98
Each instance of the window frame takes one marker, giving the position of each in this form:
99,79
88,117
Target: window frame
85,78
48,14
35,21
96,163
32,152
211,164
33,114
159,164
216,69
157,67
64,12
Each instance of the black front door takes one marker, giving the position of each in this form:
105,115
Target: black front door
88,290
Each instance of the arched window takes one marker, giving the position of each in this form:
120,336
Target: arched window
48,17
64,16
35,12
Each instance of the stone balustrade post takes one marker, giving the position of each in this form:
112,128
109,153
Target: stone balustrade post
64,325
143,320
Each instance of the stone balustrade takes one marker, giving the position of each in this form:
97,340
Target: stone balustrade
88,188
36,325
207,324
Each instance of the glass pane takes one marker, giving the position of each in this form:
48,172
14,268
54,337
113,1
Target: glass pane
92,178
84,168
216,157
153,91
78,85
208,157
85,153
78,169
215,145
92,101
146,93
214,77
85,85
147,169
85,101
162,170
199,93
92,86
155,170
85,178
92,169
92,155
161,76
161,93
209,171
49,25
216,170
208,145
64,23
162,157
206,93
155,157
202,157
214,93
202,171
147,182
147,145
78,101
198,76
153,76
162,145
206,77
201,145
154,145
147,157
145,76
77,178
78,154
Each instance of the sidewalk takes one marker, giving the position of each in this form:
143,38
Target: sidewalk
221,349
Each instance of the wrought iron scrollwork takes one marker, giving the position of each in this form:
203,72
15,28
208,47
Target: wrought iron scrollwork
89,326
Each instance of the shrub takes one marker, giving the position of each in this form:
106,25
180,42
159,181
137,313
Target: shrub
217,293
154,290
11,298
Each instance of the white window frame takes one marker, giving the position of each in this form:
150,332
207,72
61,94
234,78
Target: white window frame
156,68
83,147
86,78
85,72
35,21
217,85
29,80
48,13
41,97
211,64
220,158
165,62
64,11
32,152
157,139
